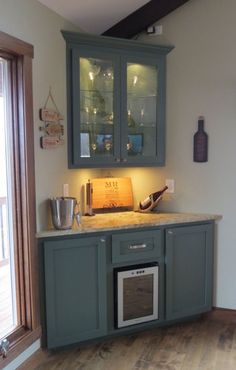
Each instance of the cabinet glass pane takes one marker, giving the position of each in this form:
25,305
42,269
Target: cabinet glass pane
96,107
138,297
141,109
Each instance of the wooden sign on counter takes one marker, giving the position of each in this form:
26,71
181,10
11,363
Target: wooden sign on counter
112,193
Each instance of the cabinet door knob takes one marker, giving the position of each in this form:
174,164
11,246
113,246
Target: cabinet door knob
102,240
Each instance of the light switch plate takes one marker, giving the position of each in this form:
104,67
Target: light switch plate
171,186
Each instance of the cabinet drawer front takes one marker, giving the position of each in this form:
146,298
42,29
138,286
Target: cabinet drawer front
136,246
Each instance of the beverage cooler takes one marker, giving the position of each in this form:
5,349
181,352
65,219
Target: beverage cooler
136,294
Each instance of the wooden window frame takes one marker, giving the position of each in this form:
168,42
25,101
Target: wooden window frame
26,256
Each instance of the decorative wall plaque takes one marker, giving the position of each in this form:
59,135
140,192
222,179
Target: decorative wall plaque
53,130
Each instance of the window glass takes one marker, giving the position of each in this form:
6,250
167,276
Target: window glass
8,316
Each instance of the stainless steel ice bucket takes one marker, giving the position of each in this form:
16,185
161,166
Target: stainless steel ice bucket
63,212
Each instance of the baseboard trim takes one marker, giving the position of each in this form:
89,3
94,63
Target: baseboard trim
230,310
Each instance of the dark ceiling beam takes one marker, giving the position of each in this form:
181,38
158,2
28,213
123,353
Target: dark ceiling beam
143,17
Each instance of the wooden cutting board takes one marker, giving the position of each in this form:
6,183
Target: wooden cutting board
112,193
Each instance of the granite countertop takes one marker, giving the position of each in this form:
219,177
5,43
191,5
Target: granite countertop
127,220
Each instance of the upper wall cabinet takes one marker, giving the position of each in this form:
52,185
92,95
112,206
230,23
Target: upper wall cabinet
116,102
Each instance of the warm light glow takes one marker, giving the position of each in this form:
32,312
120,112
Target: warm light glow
135,80
112,192
91,76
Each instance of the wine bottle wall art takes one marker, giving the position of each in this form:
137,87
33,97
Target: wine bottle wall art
200,143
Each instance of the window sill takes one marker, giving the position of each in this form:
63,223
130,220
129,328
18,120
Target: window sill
21,341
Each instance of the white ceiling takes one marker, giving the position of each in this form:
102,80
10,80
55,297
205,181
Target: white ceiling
94,16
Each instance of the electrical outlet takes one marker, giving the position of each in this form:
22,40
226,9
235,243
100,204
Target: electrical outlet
159,29
171,186
155,30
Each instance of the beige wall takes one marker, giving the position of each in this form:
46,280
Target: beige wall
36,24
201,80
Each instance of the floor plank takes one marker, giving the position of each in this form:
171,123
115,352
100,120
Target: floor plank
208,343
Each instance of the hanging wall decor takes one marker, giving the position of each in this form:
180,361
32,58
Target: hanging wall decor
53,130
200,143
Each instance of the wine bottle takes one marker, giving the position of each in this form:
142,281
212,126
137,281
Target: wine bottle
200,142
89,198
153,197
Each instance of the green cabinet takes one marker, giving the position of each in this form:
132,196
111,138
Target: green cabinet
79,292
75,289
116,102
189,269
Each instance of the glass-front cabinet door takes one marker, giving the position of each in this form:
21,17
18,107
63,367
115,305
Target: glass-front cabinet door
95,109
116,102
143,111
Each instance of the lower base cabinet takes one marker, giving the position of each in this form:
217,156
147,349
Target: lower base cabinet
75,290
78,278
189,265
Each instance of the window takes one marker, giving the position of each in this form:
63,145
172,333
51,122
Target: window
18,256
8,307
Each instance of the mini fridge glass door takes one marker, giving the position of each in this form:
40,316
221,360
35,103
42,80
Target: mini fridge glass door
137,294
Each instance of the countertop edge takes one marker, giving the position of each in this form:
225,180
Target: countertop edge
158,219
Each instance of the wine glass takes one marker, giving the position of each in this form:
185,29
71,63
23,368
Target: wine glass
87,115
129,146
94,70
108,146
142,117
94,146
135,80
108,74
95,115
107,143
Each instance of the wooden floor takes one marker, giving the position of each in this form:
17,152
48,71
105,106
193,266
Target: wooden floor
208,343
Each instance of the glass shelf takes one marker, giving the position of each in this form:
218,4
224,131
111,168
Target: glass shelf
95,90
92,124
